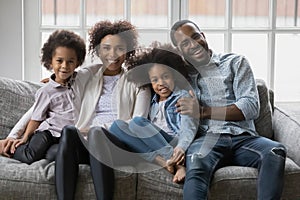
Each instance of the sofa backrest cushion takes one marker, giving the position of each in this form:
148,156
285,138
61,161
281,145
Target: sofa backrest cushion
16,97
263,123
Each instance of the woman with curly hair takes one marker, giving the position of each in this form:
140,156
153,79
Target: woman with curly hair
108,96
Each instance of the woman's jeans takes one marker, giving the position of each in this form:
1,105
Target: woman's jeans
143,137
212,151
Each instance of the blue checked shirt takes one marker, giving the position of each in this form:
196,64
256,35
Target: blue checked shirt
227,79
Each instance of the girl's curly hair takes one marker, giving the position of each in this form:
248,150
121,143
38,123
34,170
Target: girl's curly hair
62,38
143,60
123,28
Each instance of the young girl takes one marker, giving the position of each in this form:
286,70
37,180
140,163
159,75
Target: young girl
166,133
58,102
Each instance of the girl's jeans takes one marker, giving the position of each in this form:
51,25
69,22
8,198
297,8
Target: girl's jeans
143,137
212,151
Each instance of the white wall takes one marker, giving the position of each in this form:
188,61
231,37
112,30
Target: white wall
11,39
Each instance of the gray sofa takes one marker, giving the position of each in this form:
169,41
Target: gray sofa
36,181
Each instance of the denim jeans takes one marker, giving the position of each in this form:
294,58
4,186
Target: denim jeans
141,136
212,151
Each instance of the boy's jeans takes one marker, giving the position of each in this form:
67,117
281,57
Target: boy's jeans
244,150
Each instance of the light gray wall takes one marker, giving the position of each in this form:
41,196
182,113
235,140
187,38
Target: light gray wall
11,38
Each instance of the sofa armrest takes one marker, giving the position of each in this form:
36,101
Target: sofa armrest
16,97
287,131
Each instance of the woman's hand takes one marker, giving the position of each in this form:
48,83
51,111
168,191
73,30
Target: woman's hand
45,80
17,143
5,146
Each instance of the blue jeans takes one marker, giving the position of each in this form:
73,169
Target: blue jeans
244,150
141,136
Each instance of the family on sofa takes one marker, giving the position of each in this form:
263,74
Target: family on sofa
191,132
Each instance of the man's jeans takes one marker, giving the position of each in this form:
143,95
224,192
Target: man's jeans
212,151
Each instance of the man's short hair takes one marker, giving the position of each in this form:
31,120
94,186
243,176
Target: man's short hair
177,25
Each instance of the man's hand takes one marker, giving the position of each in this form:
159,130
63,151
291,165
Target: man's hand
177,157
5,147
188,105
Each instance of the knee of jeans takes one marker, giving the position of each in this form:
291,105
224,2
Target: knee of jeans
138,121
117,125
279,151
197,161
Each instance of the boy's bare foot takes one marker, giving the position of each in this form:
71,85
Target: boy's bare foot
180,174
162,162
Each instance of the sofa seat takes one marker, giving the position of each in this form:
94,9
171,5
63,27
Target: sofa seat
36,181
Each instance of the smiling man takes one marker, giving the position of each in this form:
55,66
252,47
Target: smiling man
226,91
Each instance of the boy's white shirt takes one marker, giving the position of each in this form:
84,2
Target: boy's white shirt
131,101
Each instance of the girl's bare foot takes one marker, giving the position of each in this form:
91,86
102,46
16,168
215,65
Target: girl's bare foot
180,174
162,162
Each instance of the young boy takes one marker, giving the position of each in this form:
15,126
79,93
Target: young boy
166,134
58,102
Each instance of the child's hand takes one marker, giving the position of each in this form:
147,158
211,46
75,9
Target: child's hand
177,157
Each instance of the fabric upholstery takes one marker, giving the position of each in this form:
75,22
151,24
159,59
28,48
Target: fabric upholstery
284,123
263,123
157,184
36,181
226,179
16,97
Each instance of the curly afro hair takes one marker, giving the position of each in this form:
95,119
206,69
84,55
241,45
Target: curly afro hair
62,38
143,60
124,28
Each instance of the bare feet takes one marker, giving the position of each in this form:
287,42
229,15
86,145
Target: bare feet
162,162
180,174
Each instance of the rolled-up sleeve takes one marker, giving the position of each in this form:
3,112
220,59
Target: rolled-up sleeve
247,99
142,104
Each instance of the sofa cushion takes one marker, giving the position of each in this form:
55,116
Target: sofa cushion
36,181
16,97
156,183
263,123
287,130
226,179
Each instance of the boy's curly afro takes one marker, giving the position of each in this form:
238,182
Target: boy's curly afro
62,38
